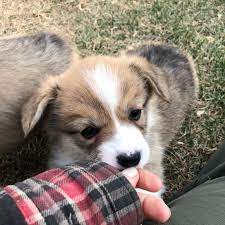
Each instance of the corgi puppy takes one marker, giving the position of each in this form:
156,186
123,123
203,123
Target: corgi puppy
123,110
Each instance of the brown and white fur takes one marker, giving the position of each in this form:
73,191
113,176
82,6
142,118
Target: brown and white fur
24,62
98,92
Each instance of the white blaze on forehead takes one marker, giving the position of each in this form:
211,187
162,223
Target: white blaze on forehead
104,82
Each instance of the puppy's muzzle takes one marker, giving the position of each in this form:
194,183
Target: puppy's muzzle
129,160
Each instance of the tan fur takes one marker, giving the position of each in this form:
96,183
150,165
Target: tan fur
24,62
78,105
163,89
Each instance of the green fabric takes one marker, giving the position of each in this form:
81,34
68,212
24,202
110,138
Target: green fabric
204,205
203,201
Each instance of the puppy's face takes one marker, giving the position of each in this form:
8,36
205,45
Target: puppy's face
97,110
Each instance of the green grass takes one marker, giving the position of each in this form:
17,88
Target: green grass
106,27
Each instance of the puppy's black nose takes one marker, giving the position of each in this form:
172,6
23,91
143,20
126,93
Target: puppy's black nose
129,160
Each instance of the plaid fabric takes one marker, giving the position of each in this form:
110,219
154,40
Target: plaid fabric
87,194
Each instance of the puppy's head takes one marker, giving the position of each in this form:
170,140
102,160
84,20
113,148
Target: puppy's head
97,110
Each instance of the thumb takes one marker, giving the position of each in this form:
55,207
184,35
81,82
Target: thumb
132,175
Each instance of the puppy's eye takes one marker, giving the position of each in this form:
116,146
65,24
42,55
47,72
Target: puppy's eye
90,132
135,114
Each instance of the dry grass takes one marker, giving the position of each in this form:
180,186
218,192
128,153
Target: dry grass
106,27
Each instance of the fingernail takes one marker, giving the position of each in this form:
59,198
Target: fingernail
130,172
156,194
139,190
167,213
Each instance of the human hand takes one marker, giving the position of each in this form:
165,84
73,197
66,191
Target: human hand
153,207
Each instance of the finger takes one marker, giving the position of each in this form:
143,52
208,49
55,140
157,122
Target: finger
154,208
157,194
132,175
149,181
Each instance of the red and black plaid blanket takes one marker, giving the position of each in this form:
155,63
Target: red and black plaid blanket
87,194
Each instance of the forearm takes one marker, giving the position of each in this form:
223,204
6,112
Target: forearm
92,193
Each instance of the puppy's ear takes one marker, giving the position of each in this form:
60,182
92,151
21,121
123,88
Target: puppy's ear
34,108
153,79
167,61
